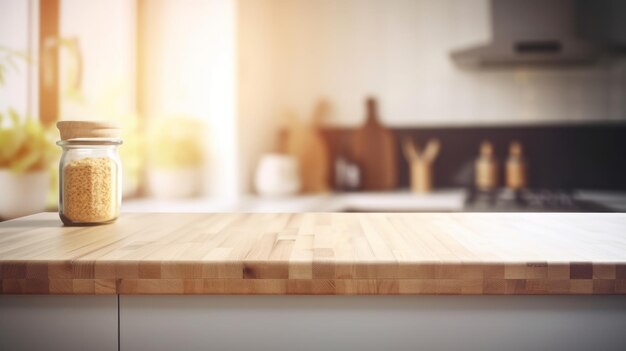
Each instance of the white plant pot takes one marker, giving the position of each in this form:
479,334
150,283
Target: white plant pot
23,194
174,183
277,175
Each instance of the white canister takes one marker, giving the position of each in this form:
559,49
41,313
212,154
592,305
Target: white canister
277,175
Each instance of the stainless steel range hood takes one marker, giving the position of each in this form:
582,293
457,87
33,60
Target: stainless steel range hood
531,32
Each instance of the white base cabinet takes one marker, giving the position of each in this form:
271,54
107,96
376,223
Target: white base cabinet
307,323
57,322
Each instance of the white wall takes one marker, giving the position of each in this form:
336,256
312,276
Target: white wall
106,32
398,50
189,68
257,119
18,92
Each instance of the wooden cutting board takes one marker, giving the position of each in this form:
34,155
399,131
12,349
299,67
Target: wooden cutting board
374,149
305,142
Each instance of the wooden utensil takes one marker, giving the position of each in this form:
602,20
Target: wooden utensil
421,164
305,142
374,149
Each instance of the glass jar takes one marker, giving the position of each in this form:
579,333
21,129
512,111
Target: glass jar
90,172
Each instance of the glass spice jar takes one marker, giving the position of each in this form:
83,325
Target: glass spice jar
90,172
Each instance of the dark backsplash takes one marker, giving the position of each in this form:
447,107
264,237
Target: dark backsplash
559,157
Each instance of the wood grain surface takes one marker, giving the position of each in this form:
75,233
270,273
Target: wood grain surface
318,253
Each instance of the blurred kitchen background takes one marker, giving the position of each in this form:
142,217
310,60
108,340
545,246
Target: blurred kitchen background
321,105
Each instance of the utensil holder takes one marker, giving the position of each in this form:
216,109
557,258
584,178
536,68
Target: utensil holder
421,176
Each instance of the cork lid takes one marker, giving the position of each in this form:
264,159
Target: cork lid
515,148
486,149
89,130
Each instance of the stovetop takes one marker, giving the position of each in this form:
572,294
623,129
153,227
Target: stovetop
530,201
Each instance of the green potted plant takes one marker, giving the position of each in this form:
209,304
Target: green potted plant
26,150
175,157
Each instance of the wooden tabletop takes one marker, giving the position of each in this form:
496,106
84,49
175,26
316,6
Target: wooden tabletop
318,253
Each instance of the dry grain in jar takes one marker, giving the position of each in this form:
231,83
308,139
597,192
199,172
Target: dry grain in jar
89,190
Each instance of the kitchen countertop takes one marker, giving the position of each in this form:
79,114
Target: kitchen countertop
441,200
318,253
